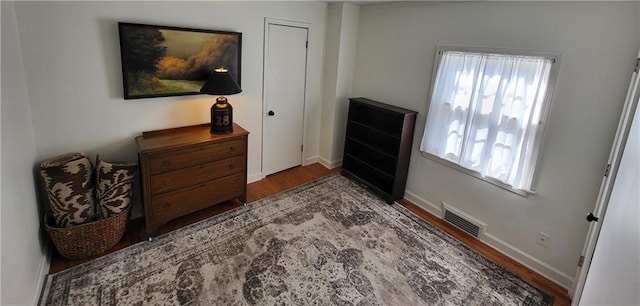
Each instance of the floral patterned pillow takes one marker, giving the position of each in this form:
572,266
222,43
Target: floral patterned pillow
69,182
114,185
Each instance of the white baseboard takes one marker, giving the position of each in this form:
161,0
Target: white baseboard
431,208
43,270
529,261
251,178
310,160
551,273
330,164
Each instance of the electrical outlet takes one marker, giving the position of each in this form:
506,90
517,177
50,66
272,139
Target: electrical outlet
543,239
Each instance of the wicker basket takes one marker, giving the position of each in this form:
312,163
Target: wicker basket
85,240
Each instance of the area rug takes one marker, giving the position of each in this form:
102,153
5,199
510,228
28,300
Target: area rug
328,242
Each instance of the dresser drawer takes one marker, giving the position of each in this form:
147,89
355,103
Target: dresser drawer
163,162
173,180
184,201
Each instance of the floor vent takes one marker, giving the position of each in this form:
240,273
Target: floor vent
462,221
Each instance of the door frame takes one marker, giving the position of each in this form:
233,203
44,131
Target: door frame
289,23
606,187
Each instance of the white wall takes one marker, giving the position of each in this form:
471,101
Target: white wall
23,256
598,42
341,37
72,63
68,54
329,84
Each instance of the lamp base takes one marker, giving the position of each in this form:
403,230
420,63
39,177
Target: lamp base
221,117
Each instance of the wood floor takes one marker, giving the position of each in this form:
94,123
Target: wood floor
299,175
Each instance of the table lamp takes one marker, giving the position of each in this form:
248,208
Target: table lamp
221,83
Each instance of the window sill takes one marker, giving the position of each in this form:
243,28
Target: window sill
520,192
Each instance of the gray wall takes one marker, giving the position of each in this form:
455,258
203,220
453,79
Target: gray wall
24,260
72,63
67,97
598,43
341,37
62,92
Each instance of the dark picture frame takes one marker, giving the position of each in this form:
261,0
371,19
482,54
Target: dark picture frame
162,61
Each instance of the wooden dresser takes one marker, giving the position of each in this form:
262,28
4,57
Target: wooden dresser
186,169
377,146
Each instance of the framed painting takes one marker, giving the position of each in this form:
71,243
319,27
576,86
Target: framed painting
161,61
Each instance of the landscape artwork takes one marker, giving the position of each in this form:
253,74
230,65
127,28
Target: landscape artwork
161,61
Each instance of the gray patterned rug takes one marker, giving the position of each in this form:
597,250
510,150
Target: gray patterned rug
328,242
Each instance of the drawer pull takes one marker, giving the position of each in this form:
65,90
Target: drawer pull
167,183
167,204
166,163
231,149
230,166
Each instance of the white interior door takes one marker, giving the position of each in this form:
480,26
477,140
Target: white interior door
605,195
284,95
614,274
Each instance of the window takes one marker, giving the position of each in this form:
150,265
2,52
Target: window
487,111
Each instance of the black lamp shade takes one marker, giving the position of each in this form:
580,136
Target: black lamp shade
220,82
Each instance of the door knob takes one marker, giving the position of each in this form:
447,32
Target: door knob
271,113
591,217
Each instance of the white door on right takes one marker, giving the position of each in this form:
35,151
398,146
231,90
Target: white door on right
614,273
609,269
284,96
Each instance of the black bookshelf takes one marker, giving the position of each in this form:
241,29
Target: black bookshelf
377,146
